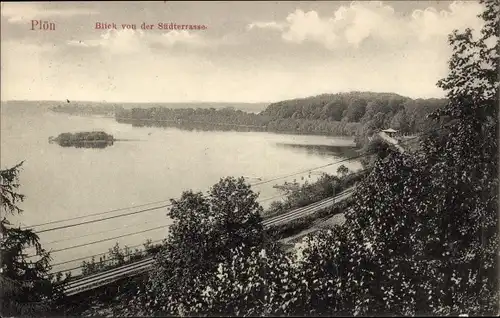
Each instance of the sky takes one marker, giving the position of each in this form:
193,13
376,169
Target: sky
249,52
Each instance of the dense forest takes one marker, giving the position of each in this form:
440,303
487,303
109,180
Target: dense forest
229,119
370,111
344,114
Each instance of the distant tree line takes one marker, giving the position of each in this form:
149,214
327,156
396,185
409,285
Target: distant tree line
78,109
356,114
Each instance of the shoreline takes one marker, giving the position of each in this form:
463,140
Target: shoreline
352,144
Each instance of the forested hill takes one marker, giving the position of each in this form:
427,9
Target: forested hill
396,111
343,114
330,106
371,110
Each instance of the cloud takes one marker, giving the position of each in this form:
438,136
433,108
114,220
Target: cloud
372,48
351,26
36,72
128,41
265,25
22,12
182,37
430,23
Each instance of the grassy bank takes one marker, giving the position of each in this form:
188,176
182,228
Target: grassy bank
116,256
326,186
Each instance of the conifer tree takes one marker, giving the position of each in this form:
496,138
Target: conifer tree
26,286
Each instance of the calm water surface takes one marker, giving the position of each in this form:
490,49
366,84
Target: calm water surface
61,183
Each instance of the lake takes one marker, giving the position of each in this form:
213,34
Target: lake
61,183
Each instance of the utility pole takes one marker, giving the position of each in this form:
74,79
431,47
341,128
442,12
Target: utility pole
333,195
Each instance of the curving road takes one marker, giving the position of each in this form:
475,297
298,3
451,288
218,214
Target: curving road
391,141
103,278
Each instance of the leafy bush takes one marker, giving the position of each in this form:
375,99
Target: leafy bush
204,230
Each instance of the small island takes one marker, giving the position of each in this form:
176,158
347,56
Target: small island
93,139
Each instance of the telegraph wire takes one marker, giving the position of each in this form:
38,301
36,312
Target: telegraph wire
254,184
309,170
94,214
121,236
258,183
95,233
83,258
130,225
107,239
167,205
99,254
103,219
104,253
100,213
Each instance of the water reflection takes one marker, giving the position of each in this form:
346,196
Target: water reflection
322,150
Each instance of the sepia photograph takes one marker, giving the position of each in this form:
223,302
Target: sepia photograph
249,158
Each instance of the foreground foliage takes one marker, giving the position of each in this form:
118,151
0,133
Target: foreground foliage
26,287
420,236
204,231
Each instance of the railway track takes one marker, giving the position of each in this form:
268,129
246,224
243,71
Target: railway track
103,278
